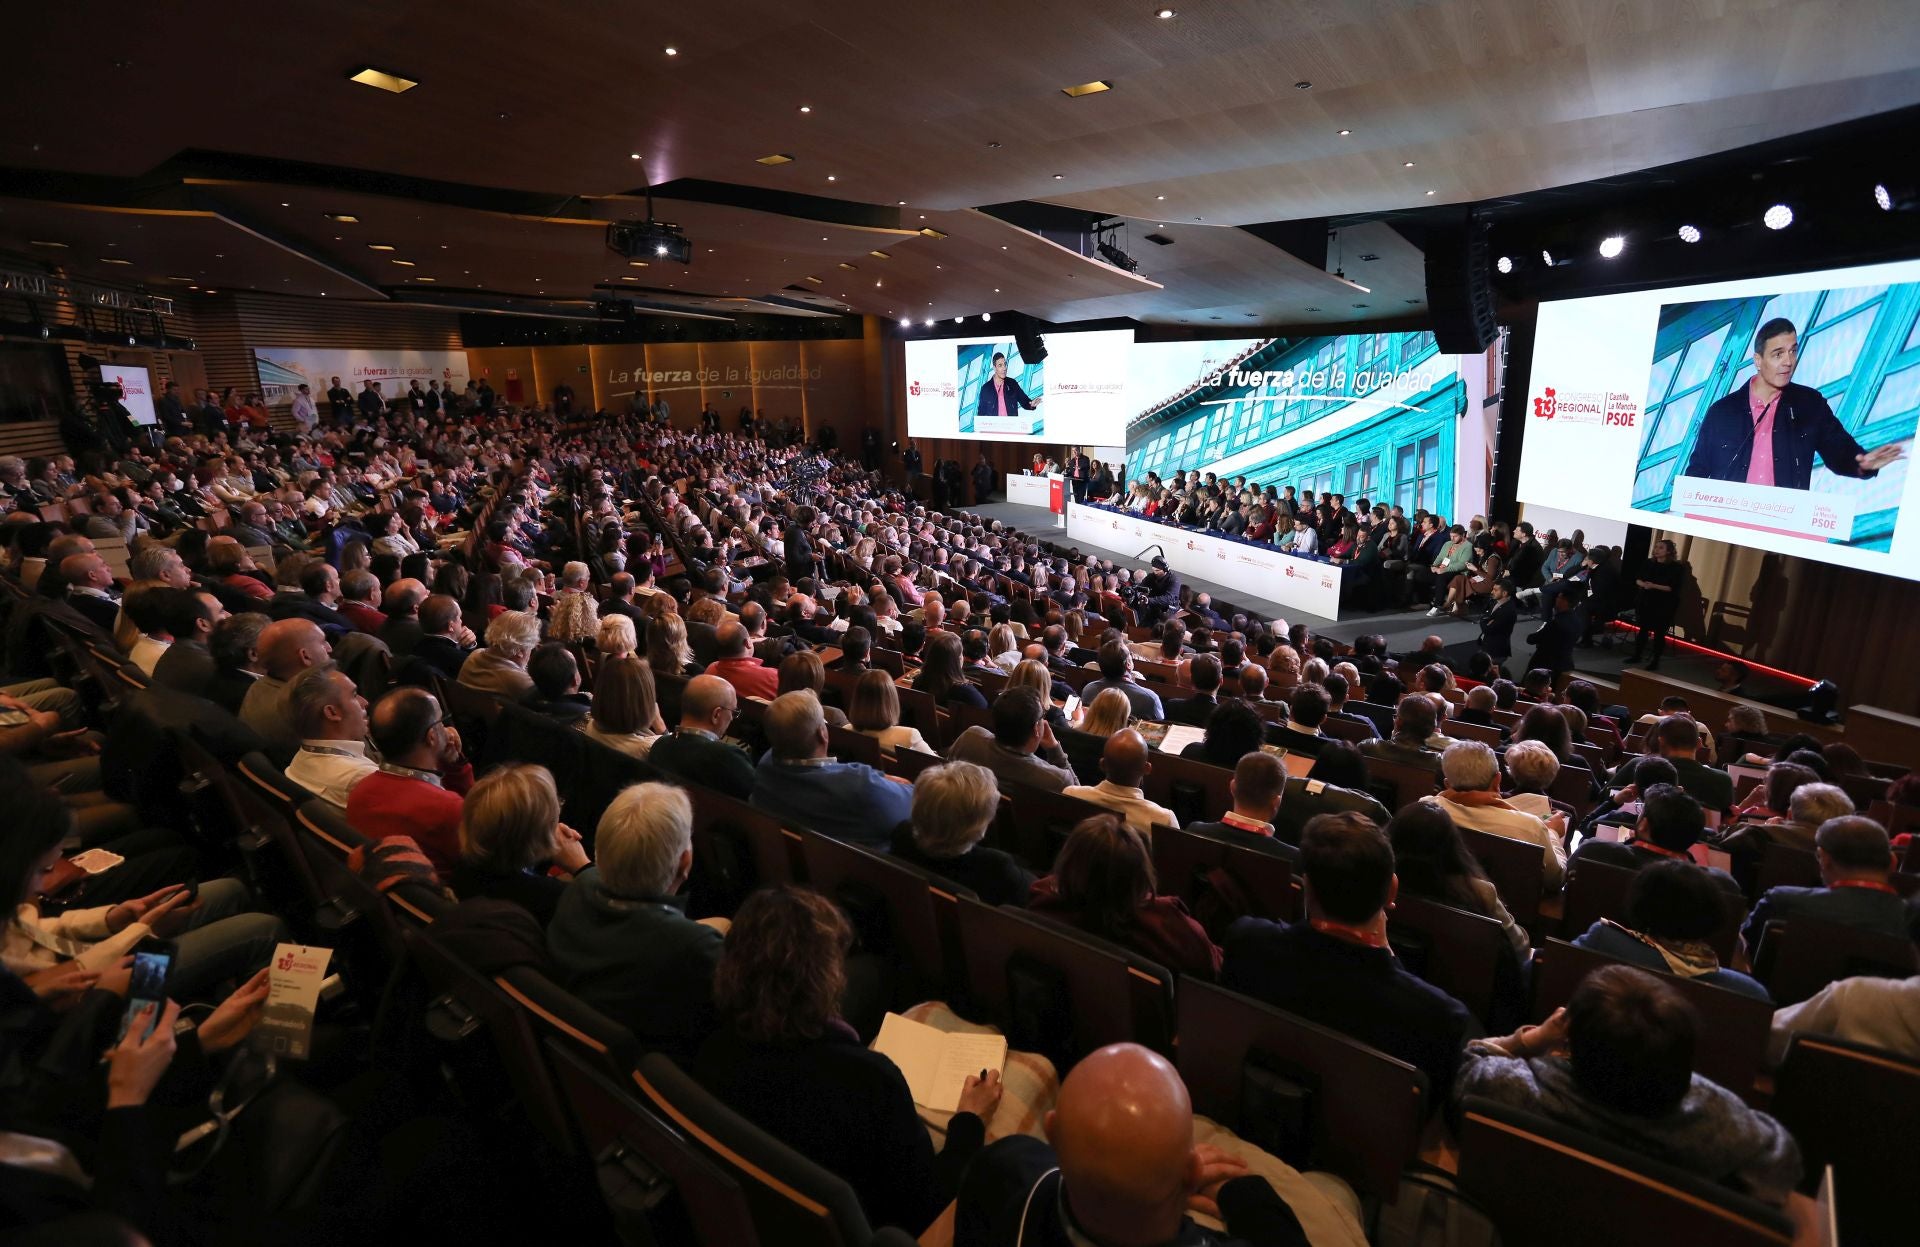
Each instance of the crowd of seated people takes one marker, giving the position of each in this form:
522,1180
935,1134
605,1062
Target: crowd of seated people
729,618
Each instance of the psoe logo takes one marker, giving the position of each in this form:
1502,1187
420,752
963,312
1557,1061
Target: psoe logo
913,388
1543,407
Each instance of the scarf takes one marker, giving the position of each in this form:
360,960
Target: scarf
1688,959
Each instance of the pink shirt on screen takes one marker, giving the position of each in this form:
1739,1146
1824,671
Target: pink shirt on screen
1000,392
1760,466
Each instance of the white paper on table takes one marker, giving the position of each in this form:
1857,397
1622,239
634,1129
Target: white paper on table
938,1063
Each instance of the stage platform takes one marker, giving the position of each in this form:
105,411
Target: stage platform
1404,630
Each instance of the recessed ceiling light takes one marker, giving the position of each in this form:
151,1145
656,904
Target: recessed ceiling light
806,108
1689,233
107,259
996,290
992,144
633,156
815,280
778,158
903,203
881,255
1059,177
1159,197
1504,264
672,51
368,76
1432,192
426,279
379,246
831,178
1345,133
404,263
636,263
286,205
1612,245
1166,14
629,277
42,242
343,218
851,268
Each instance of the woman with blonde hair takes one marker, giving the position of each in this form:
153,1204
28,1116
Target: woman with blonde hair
574,616
1003,649
1283,672
615,638
1030,673
875,711
626,714
1107,713
510,832
667,649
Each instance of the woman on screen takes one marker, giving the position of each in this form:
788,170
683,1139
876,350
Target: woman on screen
1768,431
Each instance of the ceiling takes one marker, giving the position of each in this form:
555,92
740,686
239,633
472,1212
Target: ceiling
496,175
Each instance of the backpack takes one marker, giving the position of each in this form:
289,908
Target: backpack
1430,1211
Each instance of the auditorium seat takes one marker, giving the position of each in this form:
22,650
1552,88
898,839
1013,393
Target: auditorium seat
1597,890
1541,1182
1853,1107
1194,790
1312,1096
919,911
791,1201
1045,820
1798,958
1516,869
1184,865
1306,798
767,852
1056,991
1405,782
1460,729
1456,951
1782,865
850,746
1733,1027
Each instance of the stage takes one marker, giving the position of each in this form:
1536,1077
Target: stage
1404,630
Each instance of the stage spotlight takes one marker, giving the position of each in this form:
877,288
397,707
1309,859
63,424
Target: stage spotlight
1883,197
1546,258
1689,233
1777,217
1504,264
986,316
959,320
1612,245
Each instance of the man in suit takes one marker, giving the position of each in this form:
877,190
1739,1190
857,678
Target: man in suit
188,663
1554,640
90,589
1020,747
1259,782
440,649
697,751
401,606
1335,967
1669,825
619,601
555,673
1496,626
1301,733
317,598
1079,472
1768,431
1856,867
1116,671
1337,692
1204,673
235,646
1413,723
1001,395
1677,739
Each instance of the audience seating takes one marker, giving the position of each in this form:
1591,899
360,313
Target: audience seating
1456,951
1515,868
1056,991
1852,1107
1733,1028
920,909
1784,866
1402,782
1597,890
1363,1110
1184,863
1798,958
1195,791
1541,1182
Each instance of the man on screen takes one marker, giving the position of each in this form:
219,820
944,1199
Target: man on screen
1768,431
1001,395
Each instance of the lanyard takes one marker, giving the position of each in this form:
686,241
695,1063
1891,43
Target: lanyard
1340,930
1871,885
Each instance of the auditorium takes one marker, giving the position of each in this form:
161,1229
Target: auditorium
1286,626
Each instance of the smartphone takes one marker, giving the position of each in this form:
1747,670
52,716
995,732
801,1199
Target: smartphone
152,975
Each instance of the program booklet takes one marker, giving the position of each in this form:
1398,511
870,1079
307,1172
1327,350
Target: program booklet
938,1063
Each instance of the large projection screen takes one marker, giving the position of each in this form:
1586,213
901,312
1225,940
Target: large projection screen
1645,408
1076,396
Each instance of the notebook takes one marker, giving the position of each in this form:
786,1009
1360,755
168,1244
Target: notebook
937,1063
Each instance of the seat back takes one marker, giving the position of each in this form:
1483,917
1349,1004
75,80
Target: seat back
1601,1195
772,850
850,746
1597,890
1046,819
1515,868
1364,1112
908,763
636,1150
258,774
1783,866
921,908
475,714
511,1030
1732,1046
1192,789
1798,958
1822,1095
919,710
1183,861
791,1200
1486,734
1056,991
1407,781
1456,951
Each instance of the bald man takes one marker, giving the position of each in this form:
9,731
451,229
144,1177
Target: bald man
749,676
89,584
287,647
1122,1171
1125,762
697,751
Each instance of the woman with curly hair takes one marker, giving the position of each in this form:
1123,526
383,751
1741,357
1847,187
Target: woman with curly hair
785,1059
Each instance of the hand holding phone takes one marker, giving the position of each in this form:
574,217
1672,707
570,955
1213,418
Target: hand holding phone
137,1062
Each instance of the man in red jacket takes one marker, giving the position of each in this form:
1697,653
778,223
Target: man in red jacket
748,675
418,790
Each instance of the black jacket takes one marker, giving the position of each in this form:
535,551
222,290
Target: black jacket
1803,426
989,402
992,875
709,763
1496,629
1554,640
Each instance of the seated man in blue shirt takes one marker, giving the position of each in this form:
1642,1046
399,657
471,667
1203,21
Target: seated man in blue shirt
845,800
1116,671
1336,969
1856,863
